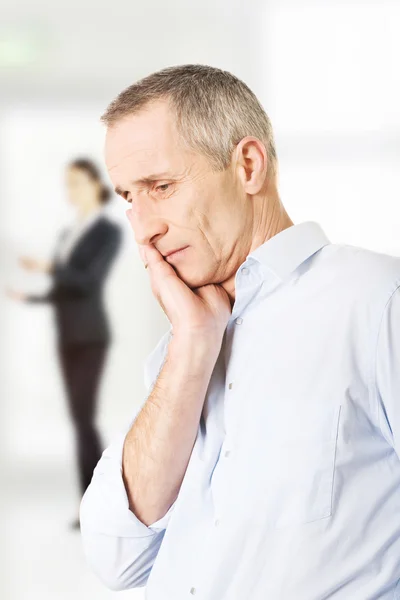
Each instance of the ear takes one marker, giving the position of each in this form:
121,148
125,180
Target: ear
251,163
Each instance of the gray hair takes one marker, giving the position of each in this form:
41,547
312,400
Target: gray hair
214,110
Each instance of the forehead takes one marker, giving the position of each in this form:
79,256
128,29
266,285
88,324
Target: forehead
146,139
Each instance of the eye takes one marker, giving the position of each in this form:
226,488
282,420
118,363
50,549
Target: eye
163,187
123,195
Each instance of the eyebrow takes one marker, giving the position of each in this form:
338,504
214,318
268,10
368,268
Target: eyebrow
145,181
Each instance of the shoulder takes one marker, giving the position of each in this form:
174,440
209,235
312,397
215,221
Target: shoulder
363,272
106,229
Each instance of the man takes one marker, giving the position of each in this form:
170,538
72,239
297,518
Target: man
264,462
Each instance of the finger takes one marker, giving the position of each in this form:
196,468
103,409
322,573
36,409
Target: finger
142,252
151,257
157,266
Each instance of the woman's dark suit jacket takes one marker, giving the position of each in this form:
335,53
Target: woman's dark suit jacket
76,293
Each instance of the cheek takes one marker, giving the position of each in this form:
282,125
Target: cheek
72,193
201,210
211,218
179,214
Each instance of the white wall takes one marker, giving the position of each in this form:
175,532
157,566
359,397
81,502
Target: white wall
332,88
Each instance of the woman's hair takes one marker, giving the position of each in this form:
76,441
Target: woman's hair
213,109
89,167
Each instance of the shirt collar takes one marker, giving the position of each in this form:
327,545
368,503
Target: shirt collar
288,249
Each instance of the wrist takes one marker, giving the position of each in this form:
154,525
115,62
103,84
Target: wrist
195,347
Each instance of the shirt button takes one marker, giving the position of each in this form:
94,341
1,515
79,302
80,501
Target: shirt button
193,591
217,522
227,453
245,271
230,386
238,321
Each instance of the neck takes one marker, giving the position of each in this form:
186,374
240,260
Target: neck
268,219
272,219
87,209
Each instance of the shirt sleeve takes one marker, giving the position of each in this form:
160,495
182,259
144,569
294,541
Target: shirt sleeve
41,299
119,548
388,371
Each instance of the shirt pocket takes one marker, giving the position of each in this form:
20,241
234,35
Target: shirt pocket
297,475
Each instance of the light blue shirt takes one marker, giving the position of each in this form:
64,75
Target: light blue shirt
292,491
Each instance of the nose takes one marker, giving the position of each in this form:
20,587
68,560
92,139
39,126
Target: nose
146,225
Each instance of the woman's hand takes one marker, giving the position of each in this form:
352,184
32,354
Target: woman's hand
32,264
16,295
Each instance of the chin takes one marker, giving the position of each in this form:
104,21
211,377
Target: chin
194,280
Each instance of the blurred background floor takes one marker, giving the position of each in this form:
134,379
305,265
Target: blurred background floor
42,559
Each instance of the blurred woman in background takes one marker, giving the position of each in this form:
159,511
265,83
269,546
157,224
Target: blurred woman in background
82,260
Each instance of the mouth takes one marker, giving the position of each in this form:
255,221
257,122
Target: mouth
175,253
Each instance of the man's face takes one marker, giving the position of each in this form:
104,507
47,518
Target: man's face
177,201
